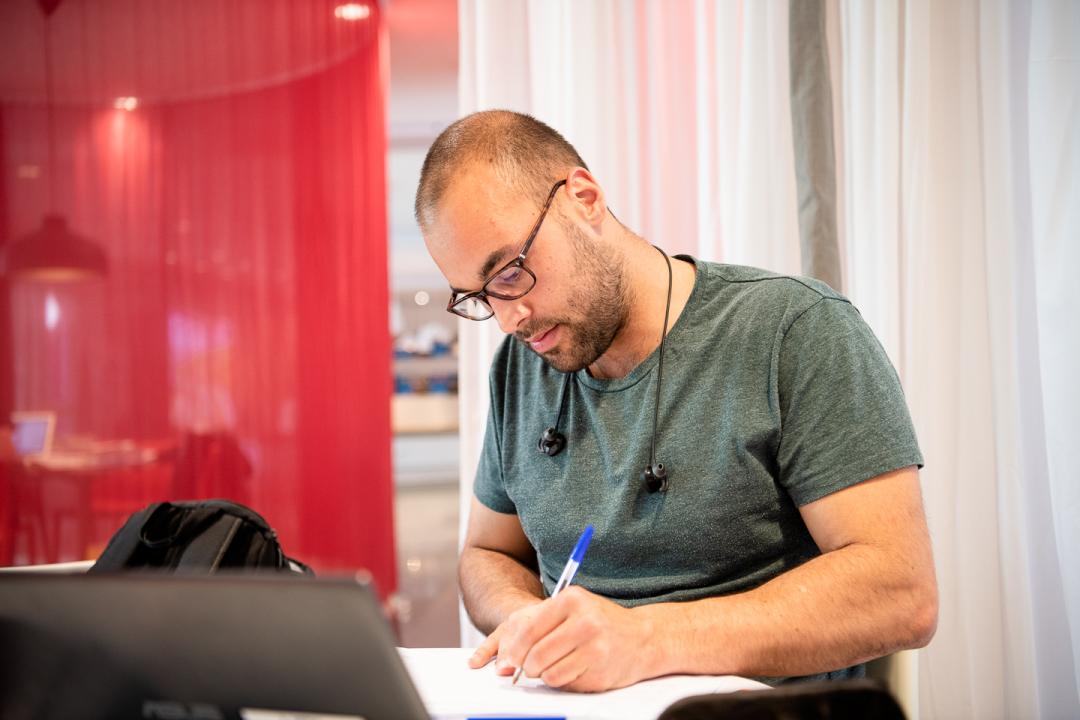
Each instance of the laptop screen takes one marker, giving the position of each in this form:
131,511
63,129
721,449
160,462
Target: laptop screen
33,433
208,647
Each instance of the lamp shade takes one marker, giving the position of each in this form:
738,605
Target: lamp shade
53,253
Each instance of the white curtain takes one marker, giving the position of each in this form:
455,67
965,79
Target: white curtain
957,133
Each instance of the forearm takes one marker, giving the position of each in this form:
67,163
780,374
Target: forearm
841,608
493,585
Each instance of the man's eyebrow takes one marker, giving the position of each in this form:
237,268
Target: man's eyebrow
493,260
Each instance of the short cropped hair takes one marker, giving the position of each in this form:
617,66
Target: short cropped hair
527,155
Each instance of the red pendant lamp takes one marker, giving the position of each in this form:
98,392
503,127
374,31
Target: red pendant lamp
53,252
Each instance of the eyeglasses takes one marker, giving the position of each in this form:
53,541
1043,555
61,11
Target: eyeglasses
511,281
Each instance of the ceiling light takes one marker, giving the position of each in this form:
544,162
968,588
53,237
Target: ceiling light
352,11
126,103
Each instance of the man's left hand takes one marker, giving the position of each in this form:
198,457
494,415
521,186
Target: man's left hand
578,641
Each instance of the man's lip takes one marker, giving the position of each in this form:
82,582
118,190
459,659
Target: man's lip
540,336
540,343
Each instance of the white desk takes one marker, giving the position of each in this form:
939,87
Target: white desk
450,689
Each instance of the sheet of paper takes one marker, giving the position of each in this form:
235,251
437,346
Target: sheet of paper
450,689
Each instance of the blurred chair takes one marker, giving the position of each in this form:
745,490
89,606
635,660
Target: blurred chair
8,460
33,538
211,465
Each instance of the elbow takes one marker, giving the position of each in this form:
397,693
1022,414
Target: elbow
924,615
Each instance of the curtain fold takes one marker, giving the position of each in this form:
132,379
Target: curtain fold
815,156
957,134
1053,124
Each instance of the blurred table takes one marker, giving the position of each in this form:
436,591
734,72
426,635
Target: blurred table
67,504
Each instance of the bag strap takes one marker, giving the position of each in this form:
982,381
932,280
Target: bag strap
230,507
208,548
234,508
188,524
148,522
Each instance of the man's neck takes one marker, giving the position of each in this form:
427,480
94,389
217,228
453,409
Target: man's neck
647,281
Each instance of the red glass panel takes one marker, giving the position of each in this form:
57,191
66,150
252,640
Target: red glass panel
236,343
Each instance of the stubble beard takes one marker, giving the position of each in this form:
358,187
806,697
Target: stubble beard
600,308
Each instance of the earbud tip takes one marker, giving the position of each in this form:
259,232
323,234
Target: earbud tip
655,477
552,442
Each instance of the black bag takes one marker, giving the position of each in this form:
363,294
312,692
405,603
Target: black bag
201,536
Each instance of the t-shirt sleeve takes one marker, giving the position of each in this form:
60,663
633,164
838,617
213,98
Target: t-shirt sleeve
843,415
488,487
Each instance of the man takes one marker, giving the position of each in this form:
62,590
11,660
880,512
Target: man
790,538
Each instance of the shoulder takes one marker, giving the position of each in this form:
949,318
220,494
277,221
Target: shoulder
740,292
765,282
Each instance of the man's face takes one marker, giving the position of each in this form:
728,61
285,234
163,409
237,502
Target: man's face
578,303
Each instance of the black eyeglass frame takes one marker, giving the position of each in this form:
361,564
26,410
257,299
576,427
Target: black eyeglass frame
483,293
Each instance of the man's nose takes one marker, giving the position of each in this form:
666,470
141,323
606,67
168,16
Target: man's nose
509,313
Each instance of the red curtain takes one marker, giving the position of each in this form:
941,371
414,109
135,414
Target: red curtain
238,345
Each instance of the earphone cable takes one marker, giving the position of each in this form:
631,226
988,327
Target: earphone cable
562,400
660,363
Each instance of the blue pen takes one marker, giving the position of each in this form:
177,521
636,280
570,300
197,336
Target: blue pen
567,576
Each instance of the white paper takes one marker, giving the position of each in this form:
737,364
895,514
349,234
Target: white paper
451,689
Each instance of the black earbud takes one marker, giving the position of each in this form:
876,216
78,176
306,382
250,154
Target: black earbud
551,442
655,477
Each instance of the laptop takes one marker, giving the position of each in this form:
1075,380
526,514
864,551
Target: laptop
202,648
33,433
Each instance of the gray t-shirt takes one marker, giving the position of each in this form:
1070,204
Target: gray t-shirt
775,394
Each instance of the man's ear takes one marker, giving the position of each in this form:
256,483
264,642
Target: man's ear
589,201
